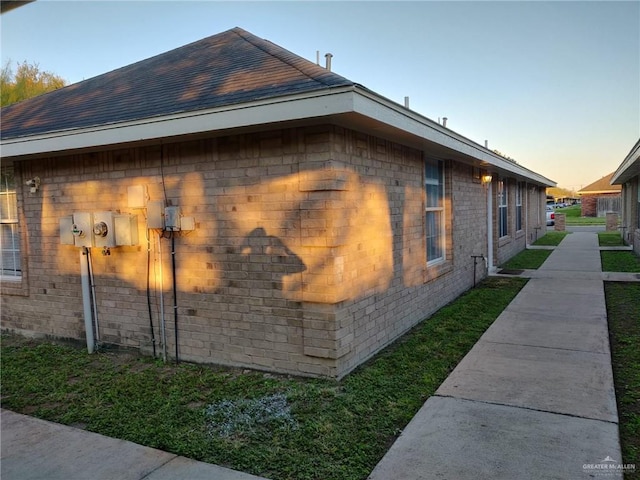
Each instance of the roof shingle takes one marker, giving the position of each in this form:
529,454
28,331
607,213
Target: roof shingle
229,68
601,186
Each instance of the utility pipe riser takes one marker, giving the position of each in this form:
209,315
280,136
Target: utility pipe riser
86,299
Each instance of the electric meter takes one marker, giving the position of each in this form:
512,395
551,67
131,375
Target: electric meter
100,229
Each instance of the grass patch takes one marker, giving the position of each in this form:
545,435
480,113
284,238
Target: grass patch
551,238
527,259
619,261
270,425
623,313
573,211
574,216
610,239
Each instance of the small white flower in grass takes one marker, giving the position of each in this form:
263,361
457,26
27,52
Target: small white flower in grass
247,416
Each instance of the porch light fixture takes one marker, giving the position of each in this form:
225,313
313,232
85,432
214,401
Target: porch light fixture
486,178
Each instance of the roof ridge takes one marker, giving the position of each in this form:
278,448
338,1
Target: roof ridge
275,51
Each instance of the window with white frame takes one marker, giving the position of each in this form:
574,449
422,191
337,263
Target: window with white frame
518,206
9,232
503,213
434,211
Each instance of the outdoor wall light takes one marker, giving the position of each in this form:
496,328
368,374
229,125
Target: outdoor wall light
33,184
486,178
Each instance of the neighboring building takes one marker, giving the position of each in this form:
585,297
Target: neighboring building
600,197
628,176
309,221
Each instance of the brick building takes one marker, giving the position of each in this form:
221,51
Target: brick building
628,177
230,202
600,197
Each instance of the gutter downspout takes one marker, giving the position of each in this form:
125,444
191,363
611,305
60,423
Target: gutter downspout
490,267
86,299
526,198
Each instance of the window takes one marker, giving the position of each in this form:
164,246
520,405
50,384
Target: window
9,233
434,187
503,217
518,206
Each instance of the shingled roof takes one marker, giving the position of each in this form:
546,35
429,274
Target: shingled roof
601,186
228,82
229,68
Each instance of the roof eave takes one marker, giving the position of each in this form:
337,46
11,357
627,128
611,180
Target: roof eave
428,130
348,102
629,168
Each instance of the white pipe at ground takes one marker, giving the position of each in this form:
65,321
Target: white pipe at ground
86,299
163,333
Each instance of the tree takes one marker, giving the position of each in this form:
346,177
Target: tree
27,82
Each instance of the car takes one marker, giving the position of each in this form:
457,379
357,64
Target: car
551,216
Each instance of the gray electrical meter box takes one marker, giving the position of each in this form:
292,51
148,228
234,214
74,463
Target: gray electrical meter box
103,230
66,231
82,229
172,218
126,230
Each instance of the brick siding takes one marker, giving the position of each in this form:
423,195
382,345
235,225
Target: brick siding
308,255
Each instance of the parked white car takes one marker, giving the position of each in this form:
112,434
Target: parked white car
551,216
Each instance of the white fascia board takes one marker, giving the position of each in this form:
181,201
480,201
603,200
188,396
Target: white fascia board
322,103
630,166
274,110
384,110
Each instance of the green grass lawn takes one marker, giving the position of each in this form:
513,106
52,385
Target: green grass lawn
623,313
270,425
619,261
551,238
610,239
527,259
574,216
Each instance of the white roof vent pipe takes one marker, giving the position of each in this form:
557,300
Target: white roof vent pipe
406,102
486,144
328,56
317,57
444,122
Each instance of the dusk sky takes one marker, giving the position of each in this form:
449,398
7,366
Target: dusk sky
554,85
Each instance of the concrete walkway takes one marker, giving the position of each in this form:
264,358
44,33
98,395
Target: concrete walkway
34,449
534,398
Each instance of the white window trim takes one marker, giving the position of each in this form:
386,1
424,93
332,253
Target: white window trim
17,274
503,202
519,207
442,210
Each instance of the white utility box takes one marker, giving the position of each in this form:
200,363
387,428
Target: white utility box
66,231
172,219
82,229
126,230
136,196
155,214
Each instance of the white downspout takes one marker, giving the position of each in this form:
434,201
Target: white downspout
86,298
163,333
490,267
526,199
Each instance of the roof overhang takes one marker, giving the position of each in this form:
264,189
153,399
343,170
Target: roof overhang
630,166
599,192
351,106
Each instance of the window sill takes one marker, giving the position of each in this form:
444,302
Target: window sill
502,241
519,234
14,286
437,270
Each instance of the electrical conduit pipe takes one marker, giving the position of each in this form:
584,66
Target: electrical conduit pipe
86,298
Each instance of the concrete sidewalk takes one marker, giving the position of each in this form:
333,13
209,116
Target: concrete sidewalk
34,449
534,398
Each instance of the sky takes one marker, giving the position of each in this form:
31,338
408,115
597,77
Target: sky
554,85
